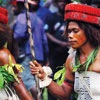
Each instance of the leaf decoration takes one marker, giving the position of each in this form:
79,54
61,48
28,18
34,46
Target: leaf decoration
1,80
7,74
1,1
87,63
59,76
10,62
19,67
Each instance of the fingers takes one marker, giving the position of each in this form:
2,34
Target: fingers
35,64
36,69
31,64
41,76
33,71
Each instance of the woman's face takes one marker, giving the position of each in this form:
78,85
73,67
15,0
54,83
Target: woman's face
76,35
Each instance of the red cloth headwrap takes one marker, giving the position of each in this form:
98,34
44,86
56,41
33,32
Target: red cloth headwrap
3,15
82,13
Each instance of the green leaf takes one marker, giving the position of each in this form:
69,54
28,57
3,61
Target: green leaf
60,81
1,80
5,45
87,63
1,69
45,94
10,61
57,74
1,1
7,74
10,79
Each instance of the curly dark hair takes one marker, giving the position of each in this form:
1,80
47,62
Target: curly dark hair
92,32
6,36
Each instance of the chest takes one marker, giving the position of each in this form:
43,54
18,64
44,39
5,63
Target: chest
95,65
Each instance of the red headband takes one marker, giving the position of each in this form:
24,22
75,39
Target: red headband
82,13
3,15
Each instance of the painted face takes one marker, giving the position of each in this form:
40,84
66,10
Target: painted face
76,35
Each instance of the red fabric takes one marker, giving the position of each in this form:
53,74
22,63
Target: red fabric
3,15
83,13
3,11
13,3
68,84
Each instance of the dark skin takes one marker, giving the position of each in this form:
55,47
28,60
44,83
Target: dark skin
61,6
19,87
62,92
74,35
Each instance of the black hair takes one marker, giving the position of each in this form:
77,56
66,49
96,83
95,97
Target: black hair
92,32
7,36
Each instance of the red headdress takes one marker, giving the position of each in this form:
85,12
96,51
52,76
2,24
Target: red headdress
82,13
3,15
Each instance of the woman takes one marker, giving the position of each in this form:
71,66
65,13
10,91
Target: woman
11,87
82,64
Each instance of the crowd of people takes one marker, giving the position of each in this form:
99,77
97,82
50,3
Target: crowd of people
64,32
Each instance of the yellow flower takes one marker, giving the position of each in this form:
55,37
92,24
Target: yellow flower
19,67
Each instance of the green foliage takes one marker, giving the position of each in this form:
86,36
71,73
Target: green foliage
5,45
60,75
1,1
44,0
45,94
86,64
7,74
1,81
76,0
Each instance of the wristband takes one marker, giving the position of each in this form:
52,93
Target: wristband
46,82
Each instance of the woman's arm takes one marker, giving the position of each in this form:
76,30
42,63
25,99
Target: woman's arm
21,91
19,87
62,92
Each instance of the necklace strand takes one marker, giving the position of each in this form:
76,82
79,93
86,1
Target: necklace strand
90,59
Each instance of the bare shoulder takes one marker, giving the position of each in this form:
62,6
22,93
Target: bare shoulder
69,61
95,66
69,74
4,53
98,55
4,56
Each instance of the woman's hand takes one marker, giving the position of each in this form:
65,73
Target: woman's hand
36,69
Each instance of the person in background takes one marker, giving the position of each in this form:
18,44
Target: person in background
87,2
95,3
9,90
54,28
51,5
22,36
83,63
41,11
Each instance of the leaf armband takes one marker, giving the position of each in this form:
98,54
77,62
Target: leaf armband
7,73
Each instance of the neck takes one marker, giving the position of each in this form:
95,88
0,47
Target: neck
86,49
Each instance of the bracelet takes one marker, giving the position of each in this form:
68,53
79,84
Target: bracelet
46,82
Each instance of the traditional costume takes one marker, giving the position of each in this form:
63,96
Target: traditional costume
7,72
86,83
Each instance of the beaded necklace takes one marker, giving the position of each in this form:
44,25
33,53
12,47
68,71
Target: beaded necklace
84,67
